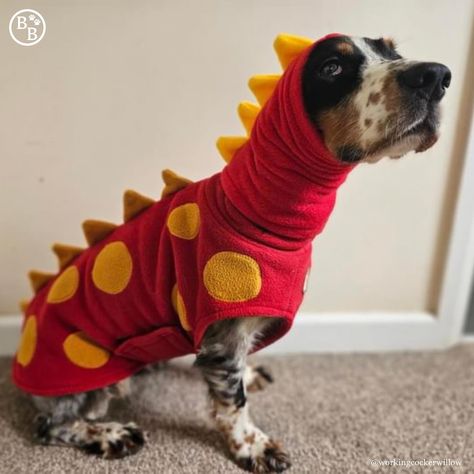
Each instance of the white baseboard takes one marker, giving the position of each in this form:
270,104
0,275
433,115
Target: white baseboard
324,332
467,338
362,332
9,333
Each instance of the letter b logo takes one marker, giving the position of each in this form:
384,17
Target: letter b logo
27,27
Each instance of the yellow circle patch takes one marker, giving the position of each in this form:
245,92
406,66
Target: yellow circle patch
184,221
180,308
232,277
112,268
28,339
64,286
83,352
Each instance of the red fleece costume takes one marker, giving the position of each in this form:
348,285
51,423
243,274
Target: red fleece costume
237,244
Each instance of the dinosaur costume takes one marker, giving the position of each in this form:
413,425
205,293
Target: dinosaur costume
237,244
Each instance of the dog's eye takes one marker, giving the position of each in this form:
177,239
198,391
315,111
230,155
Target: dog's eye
331,68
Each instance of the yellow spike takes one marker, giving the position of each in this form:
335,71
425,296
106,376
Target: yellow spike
39,279
173,182
248,113
134,203
263,86
227,146
23,305
65,254
288,47
95,231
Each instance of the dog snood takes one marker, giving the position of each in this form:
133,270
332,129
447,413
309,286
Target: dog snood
235,245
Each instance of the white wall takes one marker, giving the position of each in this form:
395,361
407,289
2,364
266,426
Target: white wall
118,90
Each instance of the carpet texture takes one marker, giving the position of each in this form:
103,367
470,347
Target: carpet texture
332,412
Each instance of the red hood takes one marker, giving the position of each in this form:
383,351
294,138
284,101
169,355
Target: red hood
284,179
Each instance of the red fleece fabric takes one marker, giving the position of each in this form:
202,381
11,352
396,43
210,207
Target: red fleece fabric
266,206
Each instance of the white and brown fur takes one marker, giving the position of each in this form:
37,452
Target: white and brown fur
366,105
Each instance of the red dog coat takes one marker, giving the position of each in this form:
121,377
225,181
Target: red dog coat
237,244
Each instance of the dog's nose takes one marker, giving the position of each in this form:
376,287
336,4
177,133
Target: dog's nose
430,79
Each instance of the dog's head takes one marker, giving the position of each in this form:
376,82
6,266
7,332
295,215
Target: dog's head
368,102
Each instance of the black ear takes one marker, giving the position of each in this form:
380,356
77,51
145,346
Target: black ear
350,154
385,47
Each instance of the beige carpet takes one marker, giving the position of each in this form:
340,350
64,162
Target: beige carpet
333,413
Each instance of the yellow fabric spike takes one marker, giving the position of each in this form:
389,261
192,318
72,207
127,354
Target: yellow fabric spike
39,279
134,203
248,113
288,47
95,231
227,146
263,86
24,305
65,254
173,182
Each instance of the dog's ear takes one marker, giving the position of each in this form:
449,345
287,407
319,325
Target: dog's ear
390,42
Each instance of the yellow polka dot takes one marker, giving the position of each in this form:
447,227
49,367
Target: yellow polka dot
232,277
28,339
184,221
180,308
64,286
112,268
83,352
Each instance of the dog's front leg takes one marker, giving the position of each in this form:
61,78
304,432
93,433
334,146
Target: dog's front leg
222,360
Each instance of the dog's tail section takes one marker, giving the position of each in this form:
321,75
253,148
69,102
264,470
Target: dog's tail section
94,231
287,47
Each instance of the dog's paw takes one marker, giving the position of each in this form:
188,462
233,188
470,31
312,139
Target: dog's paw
271,459
113,440
258,378
259,454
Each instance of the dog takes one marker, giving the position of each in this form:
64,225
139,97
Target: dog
364,102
